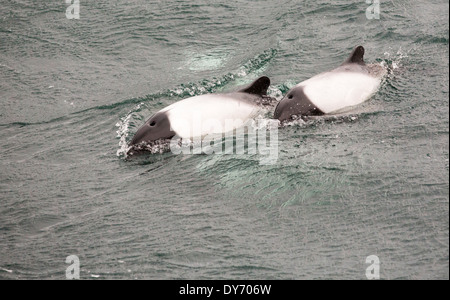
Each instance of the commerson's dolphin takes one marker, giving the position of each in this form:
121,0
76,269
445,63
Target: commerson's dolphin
205,114
335,91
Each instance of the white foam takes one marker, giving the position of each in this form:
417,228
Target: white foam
122,132
6,270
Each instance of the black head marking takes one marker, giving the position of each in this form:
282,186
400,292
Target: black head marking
157,127
296,103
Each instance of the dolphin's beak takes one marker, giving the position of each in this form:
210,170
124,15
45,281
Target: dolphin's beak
283,112
141,135
156,128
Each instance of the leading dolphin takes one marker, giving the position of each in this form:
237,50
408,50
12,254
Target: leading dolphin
205,114
350,84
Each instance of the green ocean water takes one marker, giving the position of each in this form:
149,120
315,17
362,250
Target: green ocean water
74,91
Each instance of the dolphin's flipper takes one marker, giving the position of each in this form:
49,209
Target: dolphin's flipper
258,87
357,56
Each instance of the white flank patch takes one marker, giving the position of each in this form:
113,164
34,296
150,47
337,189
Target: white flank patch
334,91
209,114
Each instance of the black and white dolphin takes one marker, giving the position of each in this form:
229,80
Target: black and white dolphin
205,114
334,91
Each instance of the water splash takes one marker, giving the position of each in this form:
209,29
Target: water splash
123,130
155,147
311,121
393,60
294,121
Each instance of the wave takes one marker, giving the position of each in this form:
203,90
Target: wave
392,62
251,68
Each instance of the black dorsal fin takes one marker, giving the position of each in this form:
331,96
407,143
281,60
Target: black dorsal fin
357,56
258,87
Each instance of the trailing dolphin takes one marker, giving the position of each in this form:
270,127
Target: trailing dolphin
334,91
205,114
